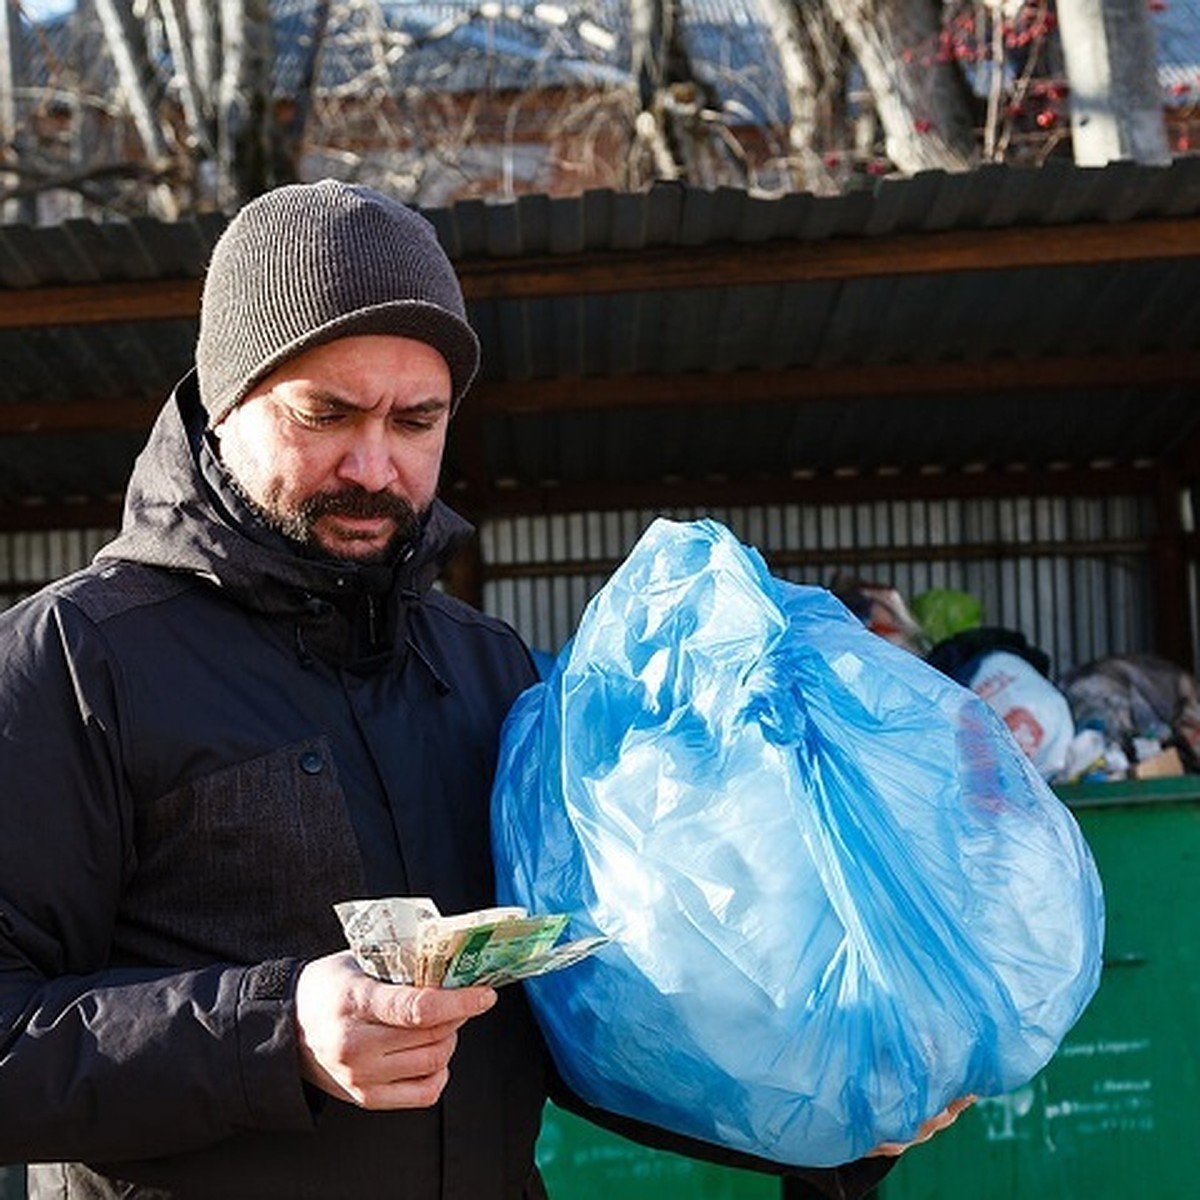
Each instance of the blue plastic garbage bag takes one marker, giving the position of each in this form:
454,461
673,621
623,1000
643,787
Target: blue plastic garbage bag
839,895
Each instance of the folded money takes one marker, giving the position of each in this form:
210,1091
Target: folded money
405,939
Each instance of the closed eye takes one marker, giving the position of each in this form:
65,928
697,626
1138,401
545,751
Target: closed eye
419,418
317,410
317,420
414,422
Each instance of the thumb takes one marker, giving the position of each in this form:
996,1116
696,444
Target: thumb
427,1008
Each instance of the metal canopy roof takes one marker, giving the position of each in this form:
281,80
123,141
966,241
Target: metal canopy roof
999,329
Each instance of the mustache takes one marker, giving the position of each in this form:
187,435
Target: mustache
358,502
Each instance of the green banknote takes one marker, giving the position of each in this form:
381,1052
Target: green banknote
406,940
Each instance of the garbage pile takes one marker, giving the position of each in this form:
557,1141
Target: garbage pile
1134,716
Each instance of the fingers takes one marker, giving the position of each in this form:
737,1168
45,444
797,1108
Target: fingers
888,1150
410,1078
935,1124
376,1044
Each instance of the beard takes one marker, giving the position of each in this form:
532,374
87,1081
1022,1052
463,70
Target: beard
298,521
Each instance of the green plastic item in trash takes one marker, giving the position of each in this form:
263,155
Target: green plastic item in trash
943,612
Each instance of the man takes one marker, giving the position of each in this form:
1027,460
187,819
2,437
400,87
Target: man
251,706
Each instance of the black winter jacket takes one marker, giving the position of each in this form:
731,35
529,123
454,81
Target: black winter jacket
206,740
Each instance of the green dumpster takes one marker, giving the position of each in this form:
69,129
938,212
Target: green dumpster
581,1162
12,1183
1113,1115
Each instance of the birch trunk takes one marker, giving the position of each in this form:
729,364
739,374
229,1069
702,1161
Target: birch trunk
923,103
249,153
1116,101
194,99
650,29
125,37
142,91
12,72
802,84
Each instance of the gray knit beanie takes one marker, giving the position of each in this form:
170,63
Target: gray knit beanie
311,262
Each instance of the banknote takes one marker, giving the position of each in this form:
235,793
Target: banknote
488,950
554,959
405,939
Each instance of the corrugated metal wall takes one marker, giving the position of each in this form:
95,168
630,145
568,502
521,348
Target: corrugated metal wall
29,559
1073,574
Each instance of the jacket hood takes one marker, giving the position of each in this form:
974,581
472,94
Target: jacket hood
176,517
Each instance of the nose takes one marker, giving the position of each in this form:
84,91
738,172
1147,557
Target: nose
367,461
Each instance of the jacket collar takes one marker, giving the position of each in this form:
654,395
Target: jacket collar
182,515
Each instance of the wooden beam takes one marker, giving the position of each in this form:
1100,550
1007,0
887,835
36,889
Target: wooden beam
497,501
831,383
741,264
728,264
89,514
81,416
800,384
100,303
862,555
661,495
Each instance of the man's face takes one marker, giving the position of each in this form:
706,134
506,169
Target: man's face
340,448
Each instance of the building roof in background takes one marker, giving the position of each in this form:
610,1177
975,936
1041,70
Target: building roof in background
945,327
1177,32
459,45
451,47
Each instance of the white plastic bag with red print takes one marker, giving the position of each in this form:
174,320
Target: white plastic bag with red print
1035,711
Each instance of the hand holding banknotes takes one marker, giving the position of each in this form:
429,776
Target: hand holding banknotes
379,1045
378,1026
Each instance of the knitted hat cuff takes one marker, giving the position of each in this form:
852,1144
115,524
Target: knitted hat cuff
307,264
452,338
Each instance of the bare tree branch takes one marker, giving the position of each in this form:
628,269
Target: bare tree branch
921,100
250,154
33,182
433,110
142,89
798,67
651,28
202,26
194,99
309,73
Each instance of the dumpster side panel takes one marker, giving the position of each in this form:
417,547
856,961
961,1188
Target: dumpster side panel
12,1183
579,1161
1113,1115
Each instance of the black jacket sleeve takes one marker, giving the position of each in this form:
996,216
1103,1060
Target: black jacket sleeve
100,1061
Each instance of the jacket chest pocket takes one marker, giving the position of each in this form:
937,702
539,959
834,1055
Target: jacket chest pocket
243,864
